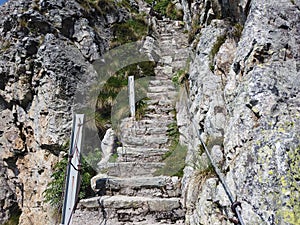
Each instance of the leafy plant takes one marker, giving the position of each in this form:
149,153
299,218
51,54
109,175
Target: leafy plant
141,107
167,8
54,191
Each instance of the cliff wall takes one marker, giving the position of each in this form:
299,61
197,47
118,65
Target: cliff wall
243,96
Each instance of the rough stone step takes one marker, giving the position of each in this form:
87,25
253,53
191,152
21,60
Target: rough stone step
127,154
160,95
160,108
130,169
159,82
142,130
148,122
157,118
160,186
134,209
130,139
162,88
159,70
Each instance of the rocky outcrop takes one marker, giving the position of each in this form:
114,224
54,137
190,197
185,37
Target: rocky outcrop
46,48
243,96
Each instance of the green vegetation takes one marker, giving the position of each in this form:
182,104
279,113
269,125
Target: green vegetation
215,49
54,191
132,30
14,218
113,158
167,8
237,31
116,86
174,159
141,107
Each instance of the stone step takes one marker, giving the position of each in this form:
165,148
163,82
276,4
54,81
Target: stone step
130,169
127,154
142,130
121,209
162,95
161,70
155,141
157,108
161,88
158,82
160,186
148,122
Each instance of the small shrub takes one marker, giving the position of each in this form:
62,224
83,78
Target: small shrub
173,13
141,108
132,30
113,158
237,31
54,191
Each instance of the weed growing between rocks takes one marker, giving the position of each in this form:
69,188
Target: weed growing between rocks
174,159
215,49
54,191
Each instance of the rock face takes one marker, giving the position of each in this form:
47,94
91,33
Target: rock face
243,96
46,48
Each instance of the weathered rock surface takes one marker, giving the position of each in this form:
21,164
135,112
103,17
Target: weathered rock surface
244,99
46,48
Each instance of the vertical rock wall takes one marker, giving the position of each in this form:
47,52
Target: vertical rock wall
46,48
244,98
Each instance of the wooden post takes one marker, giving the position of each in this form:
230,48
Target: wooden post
73,171
131,95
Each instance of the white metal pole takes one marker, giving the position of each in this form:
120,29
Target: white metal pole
131,95
73,173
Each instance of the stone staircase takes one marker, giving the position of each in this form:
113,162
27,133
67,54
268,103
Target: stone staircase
129,191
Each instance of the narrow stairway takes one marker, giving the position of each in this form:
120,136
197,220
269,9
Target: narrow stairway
130,192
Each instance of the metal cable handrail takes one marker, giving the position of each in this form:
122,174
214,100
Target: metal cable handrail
234,203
